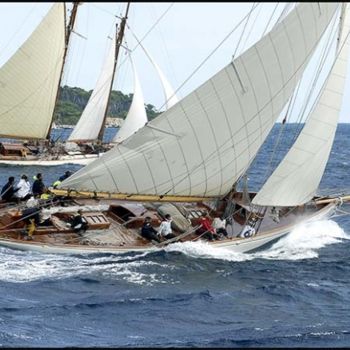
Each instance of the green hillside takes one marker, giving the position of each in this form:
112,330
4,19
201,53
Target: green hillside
72,102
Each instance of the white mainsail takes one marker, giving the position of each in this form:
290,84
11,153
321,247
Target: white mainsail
296,179
136,117
29,80
205,142
90,122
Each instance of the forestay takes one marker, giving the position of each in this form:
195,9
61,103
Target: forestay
206,141
296,179
136,117
90,122
29,80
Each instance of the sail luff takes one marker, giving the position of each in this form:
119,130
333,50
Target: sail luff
296,179
67,41
203,143
119,41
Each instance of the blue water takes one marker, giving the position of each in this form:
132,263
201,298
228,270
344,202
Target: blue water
294,294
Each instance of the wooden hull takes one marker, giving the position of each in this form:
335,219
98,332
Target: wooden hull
240,245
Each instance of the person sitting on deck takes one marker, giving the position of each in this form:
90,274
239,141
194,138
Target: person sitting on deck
38,185
148,232
9,190
219,225
165,228
79,223
23,189
206,229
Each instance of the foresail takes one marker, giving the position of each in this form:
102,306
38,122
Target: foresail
29,79
170,96
136,117
296,179
204,143
90,122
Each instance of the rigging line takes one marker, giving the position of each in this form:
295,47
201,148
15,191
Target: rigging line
244,28
149,31
284,12
282,129
252,26
313,82
269,166
172,70
270,20
211,54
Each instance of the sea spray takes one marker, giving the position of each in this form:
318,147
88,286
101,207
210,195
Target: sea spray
20,267
304,241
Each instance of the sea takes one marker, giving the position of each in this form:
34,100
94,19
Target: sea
295,293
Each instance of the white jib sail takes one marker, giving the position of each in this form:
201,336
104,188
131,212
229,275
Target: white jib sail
296,179
205,142
90,122
170,96
136,117
29,79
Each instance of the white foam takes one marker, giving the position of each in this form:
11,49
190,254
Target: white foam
302,243
202,249
305,241
20,267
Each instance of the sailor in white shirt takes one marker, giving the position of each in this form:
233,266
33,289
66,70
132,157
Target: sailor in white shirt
165,228
220,226
23,186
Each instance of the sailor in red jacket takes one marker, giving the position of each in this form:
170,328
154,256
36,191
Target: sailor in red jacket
206,228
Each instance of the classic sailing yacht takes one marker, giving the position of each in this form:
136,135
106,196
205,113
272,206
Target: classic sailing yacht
187,161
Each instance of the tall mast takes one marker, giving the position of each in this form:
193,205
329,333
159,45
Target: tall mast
69,30
119,40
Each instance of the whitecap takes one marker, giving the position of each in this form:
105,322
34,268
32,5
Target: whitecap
305,241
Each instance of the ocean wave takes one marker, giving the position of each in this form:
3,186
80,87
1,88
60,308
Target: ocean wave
20,267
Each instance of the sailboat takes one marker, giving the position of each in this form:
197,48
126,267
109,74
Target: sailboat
188,161
85,142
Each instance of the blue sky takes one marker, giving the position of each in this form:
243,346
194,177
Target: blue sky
183,38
